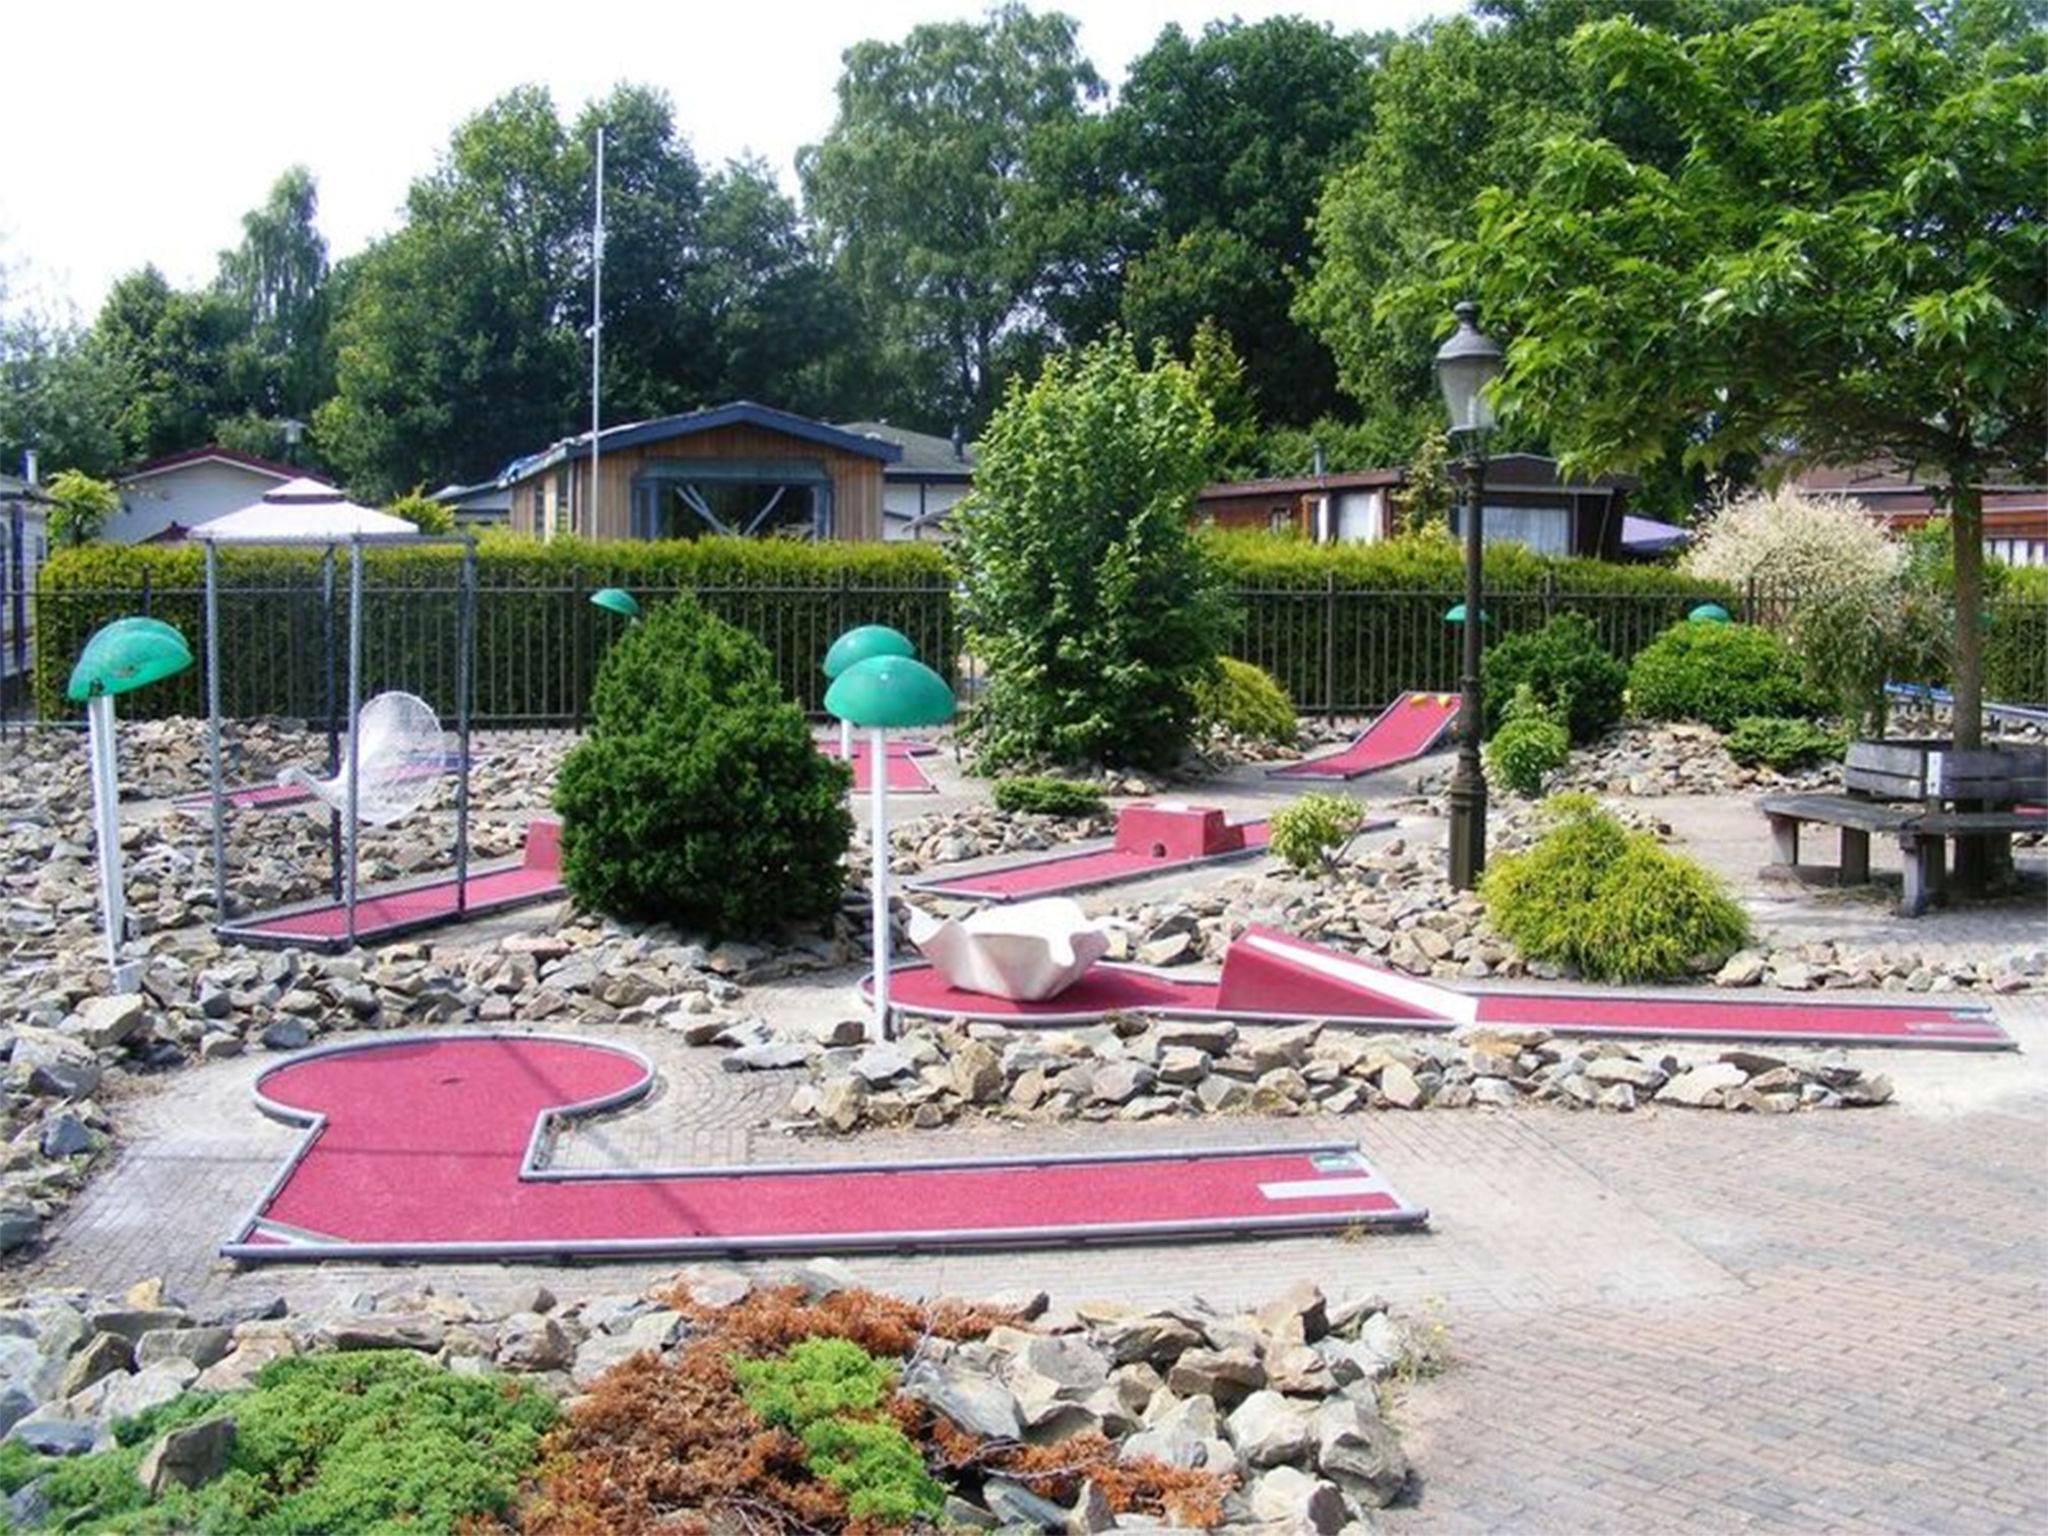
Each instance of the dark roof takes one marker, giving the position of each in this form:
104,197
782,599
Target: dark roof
226,455
736,413
925,455
1502,470
1348,480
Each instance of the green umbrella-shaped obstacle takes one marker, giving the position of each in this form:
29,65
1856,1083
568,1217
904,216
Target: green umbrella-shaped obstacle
617,600
858,645
1709,613
121,657
877,694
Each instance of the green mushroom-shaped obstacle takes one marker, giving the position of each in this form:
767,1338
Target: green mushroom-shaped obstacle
119,658
1709,613
858,645
878,694
616,600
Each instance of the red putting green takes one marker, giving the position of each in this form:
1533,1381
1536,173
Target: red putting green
1273,976
432,1147
1406,728
900,760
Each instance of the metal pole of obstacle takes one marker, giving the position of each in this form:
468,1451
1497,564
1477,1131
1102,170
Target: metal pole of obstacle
878,874
465,637
355,722
106,810
333,719
213,774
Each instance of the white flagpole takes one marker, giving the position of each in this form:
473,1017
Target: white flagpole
878,874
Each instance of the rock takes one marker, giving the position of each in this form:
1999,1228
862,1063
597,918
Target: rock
1300,1314
286,1035
371,1331
1298,1501
54,1436
1744,968
1702,1087
105,1022
133,1322
972,1401
1377,1349
66,1135
976,1073
1357,1449
1212,1039
19,1226
841,1102
1091,1512
103,1355
187,1457
1624,1069
123,1397
1495,1092
841,1032
822,1277
201,1346
883,1062
1227,1375
713,1285
767,1056
1184,1432
1875,1088
243,1364
1268,1429
527,1341
1154,1340
1120,1081
1015,1505
1400,1086
1297,1370
1791,975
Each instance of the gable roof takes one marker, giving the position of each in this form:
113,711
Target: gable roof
736,413
925,455
248,461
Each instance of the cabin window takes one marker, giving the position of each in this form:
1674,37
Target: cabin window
1546,530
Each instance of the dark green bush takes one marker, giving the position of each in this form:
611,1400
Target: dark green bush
1609,902
1530,745
1047,797
1308,833
1564,666
373,1443
1716,674
1248,700
698,796
1776,741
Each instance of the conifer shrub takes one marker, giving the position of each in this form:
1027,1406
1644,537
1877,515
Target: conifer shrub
1308,833
1030,795
1786,744
1248,700
1565,667
1717,674
698,797
1611,903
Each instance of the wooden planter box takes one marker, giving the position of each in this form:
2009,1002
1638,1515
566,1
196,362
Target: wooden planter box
1934,770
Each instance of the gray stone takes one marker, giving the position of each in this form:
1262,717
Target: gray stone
54,1436
1300,1314
976,1073
768,1056
841,1102
972,1401
713,1285
16,1404
66,1135
1015,1505
104,1354
1154,1340
1091,1512
132,1322
371,1331
1744,968
19,1226
1227,1375
1268,1429
1299,1500
883,1062
286,1035
202,1346
1120,1081
1702,1087
105,1022
1212,1039
527,1341
1400,1086
1377,1349
1623,1069
123,1397
1357,1449
187,1457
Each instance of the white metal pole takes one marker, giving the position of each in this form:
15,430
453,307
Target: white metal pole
106,810
878,874
590,529
846,742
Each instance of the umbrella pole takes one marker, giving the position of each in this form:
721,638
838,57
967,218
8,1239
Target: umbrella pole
878,875
106,809
846,742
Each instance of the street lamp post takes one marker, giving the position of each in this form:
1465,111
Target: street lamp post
1465,365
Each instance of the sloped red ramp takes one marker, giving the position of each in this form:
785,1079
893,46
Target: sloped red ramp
900,762
1410,726
393,910
433,1147
1274,977
1150,840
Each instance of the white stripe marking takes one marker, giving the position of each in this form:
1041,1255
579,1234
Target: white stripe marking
1432,1001
1317,1189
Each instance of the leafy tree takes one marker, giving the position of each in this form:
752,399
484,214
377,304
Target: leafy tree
80,507
1846,263
422,512
57,396
1092,605
168,352
277,275
920,189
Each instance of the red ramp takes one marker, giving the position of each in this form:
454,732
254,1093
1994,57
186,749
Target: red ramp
900,762
432,1148
1150,840
1410,726
1276,978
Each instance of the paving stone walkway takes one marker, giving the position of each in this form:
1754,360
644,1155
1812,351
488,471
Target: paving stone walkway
1676,1320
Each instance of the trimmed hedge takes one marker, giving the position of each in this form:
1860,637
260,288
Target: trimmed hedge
538,639
1718,674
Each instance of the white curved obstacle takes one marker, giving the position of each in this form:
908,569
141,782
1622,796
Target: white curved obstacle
401,757
1027,951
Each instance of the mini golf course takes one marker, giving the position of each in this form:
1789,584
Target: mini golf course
433,1147
906,773
1273,977
1410,726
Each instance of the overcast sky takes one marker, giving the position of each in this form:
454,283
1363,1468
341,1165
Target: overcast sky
142,130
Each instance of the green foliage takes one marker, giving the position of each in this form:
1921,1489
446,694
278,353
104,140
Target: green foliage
1717,673
423,513
1047,797
1563,665
1428,493
1609,902
79,508
1308,833
381,1444
829,1393
2016,641
1530,744
1782,742
1246,699
695,767
533,600
1090,601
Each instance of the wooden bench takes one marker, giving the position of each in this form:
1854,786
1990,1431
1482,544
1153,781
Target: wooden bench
1923,837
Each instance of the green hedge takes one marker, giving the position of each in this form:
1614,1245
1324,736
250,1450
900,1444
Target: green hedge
538,638
2016,644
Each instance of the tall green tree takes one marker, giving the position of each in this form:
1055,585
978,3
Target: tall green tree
57,396
921,188
277,276
1847,262
170,353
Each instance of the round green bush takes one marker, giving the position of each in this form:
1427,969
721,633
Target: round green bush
1562,664
1307,833
1527,750
1248,700
1047,797
1774,741
698,797
1717,674
1610,903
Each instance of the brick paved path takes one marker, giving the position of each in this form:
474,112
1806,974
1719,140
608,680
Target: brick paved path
1675,1320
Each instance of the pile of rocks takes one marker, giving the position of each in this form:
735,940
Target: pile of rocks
1667,759
1284,1400
977,832
1131,1069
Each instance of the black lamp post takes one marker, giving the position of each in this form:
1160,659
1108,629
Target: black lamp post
1465,365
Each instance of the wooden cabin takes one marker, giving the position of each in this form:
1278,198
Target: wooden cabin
742,469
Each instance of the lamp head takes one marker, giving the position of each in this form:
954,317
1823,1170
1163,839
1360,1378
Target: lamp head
1465,364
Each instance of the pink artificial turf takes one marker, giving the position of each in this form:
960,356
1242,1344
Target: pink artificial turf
424,1143
906,773
1079,871
1407,728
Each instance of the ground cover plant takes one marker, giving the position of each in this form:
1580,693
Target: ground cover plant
374,1443
1609,902
1773,741
1309,833
696,766
1032,795
1563,666
1248,700
1717,674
